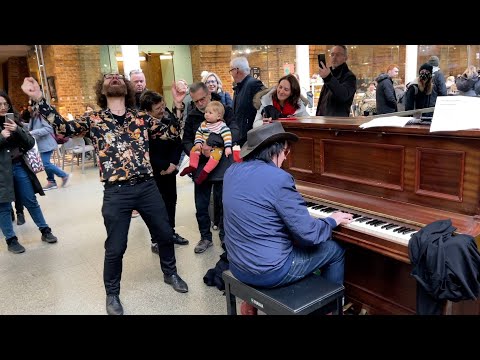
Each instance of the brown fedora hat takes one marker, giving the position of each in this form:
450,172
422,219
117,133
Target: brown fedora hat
264,135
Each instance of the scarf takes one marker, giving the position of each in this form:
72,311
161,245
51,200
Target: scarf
287,109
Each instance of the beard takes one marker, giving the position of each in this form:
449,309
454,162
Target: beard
118,89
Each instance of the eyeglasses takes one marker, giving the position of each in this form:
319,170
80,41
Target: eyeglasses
111,76
286,151
200,100
211,82
4,105
232,69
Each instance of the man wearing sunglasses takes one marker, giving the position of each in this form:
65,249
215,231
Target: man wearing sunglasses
121,136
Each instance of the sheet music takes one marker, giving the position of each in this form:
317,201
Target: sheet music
395,121
456,113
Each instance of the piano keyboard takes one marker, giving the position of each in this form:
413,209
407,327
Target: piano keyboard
366,224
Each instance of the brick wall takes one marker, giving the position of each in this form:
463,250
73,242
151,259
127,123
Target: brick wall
17,71
217,58
214,58
75,68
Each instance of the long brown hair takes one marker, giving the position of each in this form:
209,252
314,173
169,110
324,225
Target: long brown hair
294,87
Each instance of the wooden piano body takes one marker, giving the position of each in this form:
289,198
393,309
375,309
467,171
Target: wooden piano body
407,175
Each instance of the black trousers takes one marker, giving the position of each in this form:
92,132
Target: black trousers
167,184
202,202
217,203
118,203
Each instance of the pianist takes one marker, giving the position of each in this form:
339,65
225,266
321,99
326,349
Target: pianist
271,238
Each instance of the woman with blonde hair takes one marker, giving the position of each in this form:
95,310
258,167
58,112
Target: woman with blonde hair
215,85
467,83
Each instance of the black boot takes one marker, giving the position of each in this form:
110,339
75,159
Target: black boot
177,239
48,236
20,219
14,246
114,306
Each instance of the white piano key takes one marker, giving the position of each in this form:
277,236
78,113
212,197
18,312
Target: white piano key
388,234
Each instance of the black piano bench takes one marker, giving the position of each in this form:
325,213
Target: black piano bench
307,296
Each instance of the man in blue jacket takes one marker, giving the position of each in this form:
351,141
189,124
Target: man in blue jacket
271,238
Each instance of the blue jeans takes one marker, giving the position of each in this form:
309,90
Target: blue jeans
51,169
327,256
24,189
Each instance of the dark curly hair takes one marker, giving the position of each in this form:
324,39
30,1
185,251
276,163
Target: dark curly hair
102,99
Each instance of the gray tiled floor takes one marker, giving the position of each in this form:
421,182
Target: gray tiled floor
66,277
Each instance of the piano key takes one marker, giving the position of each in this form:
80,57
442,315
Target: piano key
377,227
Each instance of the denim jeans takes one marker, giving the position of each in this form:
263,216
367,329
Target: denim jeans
327,256
51,169
24,189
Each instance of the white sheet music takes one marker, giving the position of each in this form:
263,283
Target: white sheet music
456,113
395,121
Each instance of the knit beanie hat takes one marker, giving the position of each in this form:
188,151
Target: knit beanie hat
434,60
427,67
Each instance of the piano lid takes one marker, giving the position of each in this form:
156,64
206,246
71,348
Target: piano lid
407,174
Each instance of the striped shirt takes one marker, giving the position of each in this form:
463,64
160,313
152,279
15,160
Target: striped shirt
219,127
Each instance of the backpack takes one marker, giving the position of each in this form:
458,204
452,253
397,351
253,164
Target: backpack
401,100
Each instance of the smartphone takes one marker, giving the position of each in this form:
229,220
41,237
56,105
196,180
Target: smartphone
321,58
9,116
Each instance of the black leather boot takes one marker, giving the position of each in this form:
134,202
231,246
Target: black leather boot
114,306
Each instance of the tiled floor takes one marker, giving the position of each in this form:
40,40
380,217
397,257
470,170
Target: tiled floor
66,277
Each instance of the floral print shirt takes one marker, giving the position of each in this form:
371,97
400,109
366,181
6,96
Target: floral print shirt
122,149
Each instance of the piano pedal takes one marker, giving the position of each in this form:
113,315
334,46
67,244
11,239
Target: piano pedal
348,309
363,312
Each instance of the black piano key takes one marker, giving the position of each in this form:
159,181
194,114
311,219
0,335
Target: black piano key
400,229
390,226
380,222
361,220
371,222
356,216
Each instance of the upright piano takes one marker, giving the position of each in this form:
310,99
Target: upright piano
394,181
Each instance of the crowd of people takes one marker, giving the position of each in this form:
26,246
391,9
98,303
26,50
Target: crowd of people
269,237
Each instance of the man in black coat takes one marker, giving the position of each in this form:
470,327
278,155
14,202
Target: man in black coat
202,97
339,85
245,89
385,96
439,85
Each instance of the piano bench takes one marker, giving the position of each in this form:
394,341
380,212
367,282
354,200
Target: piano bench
307,296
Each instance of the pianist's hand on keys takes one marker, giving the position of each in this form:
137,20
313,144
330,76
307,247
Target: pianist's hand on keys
342,217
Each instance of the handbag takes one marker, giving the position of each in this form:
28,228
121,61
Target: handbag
60,139
32,157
